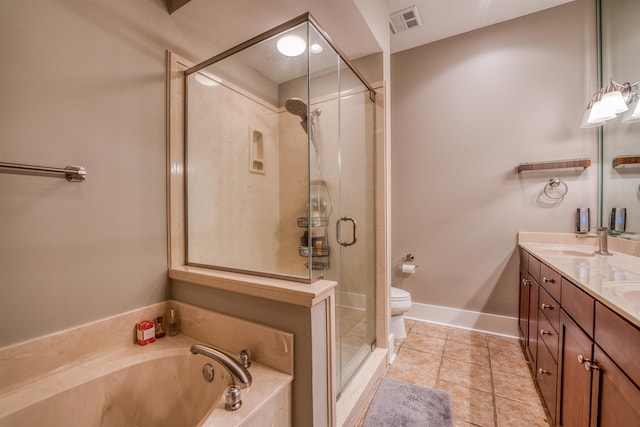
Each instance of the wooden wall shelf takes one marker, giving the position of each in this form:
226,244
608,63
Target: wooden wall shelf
558,164
626,161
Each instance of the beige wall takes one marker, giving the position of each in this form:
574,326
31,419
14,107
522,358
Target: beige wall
465,112
83,83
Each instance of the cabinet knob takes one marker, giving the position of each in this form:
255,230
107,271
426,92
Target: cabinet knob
588,364
543,332
525,282
543,371
546,307
547,280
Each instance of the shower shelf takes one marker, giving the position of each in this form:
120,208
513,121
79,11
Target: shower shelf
559,164
315,222
626,162
304,251
320,257
319,265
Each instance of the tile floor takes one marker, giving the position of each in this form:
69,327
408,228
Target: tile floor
486,375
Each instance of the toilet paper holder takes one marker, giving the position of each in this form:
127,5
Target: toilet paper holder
407,266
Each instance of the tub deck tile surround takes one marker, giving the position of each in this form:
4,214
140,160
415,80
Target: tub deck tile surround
105,339
71,381
287,291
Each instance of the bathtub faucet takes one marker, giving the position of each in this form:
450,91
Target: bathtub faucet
240,375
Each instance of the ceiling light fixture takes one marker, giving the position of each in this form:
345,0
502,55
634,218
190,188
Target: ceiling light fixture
291,45
316,48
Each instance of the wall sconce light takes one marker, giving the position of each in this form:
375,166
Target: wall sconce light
633,113
610,101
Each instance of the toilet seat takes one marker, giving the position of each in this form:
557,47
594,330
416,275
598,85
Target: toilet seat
400,301
398,294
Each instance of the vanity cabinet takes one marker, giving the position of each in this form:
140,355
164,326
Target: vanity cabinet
586,360
528,306
574,395
617,379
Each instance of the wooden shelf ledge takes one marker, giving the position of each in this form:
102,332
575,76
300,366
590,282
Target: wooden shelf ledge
626,161
558,164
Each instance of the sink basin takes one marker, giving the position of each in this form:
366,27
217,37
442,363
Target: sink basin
629,290
568,251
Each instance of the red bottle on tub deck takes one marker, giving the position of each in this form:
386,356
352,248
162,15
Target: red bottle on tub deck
146,332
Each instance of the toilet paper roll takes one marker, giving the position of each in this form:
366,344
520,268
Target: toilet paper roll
409,268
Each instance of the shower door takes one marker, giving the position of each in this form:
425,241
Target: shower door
355,227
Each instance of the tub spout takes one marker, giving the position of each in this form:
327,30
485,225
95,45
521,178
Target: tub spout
240,375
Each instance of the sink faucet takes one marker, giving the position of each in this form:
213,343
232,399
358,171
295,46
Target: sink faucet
602,241
240,375
602,235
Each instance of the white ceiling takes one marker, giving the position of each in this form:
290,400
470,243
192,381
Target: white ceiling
228,23
446,18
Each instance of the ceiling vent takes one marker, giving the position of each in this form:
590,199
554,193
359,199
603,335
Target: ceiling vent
405,19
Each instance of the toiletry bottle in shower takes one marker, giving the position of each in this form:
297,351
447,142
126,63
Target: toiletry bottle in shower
173,323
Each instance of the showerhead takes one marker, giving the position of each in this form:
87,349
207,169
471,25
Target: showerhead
296,106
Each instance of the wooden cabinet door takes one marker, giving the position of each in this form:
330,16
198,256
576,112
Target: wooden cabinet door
616,400
523,308
575,380
532,335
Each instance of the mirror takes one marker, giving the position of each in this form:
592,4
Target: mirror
620,189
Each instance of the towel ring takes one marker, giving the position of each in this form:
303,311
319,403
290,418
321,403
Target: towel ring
555,189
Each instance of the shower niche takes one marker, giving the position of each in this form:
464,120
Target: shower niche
304,207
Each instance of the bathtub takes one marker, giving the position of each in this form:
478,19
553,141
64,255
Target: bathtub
160,384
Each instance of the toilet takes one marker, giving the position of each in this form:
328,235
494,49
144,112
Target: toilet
400,304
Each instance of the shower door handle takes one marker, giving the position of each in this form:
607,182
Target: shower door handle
338,222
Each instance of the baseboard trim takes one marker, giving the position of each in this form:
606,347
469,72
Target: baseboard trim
464,319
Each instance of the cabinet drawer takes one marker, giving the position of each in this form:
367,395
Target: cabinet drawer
551,281
550,308
534,268
579,305
619,339
549,336
547,377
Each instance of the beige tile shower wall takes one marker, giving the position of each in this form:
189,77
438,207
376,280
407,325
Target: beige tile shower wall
293,196
83,83
233,213
465,112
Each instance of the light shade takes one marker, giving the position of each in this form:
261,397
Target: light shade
633,114
595,114
600,113
585,120
291,45
613,102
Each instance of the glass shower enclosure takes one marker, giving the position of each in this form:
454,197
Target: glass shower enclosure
279,167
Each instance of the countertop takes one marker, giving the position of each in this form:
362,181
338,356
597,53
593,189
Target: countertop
613,280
